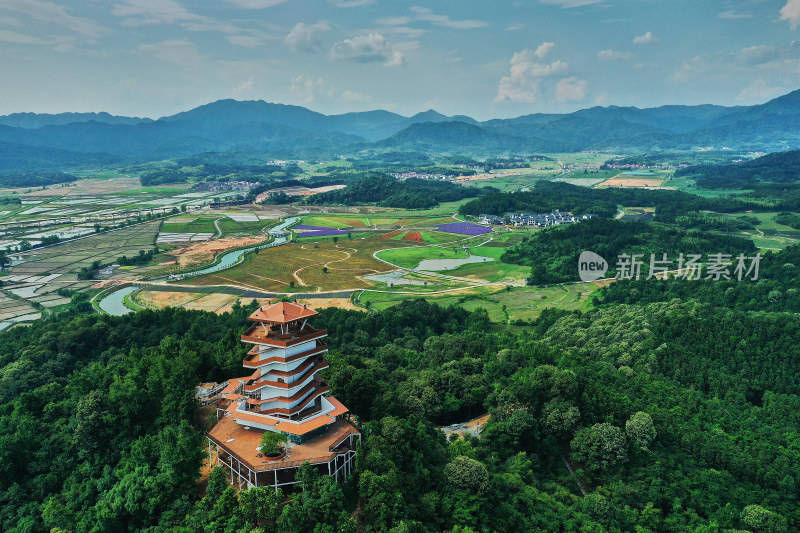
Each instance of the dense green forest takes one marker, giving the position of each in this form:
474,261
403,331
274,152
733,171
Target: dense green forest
207,172
34,179
780,167
676,416
549,195
775,290
553,253
387,191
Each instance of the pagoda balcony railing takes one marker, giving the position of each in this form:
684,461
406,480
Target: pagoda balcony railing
317,387
266,465
315,365
252,360
257,334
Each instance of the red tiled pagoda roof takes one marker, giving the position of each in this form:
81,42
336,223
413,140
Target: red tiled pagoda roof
282,313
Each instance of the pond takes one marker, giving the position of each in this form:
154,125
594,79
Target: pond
434,265
394,278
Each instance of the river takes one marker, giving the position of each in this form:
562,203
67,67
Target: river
113,302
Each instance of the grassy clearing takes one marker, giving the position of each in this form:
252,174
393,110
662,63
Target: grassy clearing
303,263
520,303
768,235
232,227
325,222
200,225
443,210
508,183
411,257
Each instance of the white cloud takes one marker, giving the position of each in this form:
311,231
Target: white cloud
350,3
525,76
305,37
515,27
791,12
424,14
611,55
248,41
571,3
13,37
774,66
175,51
369,48
353,96
756,55
760,91
244,88
55,14
405,31
544,49
153,12
255,4
647,38
570,90
307,88
10,21
732,14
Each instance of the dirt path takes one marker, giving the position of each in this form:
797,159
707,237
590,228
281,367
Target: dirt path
296,273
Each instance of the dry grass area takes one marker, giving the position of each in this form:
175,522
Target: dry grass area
322,303
100,187
298,191
625,181
221,303
204,252
275,269
213,303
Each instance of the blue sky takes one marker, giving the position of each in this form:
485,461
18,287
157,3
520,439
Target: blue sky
484,59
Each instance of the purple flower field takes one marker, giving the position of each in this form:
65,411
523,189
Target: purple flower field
314,228
322,233
464,228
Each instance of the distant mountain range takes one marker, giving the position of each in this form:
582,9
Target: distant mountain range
37,141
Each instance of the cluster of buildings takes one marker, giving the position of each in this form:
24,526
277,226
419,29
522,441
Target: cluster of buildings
635,166
283,394
226,186
541,220
419,175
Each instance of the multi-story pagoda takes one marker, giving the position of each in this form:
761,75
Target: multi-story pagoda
284,394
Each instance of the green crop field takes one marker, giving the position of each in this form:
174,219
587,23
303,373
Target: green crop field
768,235
200,225
233,227
68,258
520,303
411,257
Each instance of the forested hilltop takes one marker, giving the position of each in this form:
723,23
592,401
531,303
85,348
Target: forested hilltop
674,415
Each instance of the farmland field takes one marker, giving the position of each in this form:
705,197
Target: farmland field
768,235
301,265
642,180
520,303
67,259
411,257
